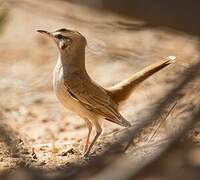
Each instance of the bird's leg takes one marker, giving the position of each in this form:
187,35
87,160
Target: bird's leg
98,132
89,126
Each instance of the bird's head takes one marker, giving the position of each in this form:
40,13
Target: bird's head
67,41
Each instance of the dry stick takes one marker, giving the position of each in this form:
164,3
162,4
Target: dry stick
127,134
156,130
172,143
124,167
161,122
187,76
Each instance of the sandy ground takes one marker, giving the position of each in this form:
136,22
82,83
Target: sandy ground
36,130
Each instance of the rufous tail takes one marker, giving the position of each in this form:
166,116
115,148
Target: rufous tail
122,90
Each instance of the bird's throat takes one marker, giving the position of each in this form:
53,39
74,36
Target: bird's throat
72,63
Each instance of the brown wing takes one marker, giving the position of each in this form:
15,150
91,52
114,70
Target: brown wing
95,98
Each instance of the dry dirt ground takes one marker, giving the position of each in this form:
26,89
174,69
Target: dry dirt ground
35,129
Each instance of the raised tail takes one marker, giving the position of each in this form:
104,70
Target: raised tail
122,90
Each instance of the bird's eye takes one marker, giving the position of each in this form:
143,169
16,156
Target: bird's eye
58,36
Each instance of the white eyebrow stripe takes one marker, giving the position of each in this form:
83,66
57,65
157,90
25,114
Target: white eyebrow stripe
57,33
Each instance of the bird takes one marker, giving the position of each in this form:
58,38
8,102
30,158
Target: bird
79,93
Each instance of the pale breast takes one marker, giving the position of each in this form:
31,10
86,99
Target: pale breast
62,94
59,89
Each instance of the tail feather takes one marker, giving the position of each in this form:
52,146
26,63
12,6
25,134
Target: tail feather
122,90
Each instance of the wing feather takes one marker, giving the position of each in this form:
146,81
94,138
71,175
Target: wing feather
95,98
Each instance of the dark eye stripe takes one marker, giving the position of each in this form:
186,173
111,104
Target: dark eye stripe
58,36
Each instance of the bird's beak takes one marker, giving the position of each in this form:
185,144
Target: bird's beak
45,33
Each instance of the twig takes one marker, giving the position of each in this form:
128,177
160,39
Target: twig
161,122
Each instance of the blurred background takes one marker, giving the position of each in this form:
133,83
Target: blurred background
123,37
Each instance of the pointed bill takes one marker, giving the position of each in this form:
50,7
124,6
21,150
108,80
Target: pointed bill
45,32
